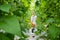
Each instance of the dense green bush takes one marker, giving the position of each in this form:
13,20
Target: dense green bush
15,15
49,14
12,13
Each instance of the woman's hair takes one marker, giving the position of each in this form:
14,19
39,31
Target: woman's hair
33,12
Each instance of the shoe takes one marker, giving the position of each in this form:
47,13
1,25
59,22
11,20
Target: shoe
33,36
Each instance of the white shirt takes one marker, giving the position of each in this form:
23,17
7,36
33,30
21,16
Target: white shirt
33,19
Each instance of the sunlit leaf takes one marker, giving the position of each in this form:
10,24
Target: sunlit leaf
5,7
11,25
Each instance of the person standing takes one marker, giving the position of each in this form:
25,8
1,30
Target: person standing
33,21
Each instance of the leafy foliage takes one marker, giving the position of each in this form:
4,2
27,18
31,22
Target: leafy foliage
10,24
5,7
11,12
49,11
3,37
15,17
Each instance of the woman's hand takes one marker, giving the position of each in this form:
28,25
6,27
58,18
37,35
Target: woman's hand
33,25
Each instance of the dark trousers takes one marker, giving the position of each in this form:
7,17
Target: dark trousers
32,30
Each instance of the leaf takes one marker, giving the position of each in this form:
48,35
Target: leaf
3,37
40,27
5,7
50,20
11,25
53,31
14,8
10,36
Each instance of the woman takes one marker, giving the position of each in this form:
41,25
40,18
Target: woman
33,21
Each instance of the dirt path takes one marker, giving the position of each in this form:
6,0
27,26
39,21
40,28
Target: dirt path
32,36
